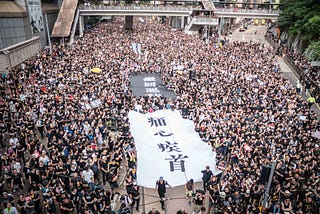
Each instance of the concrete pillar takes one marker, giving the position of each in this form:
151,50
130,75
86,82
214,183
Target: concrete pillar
182,22
128,22
81,25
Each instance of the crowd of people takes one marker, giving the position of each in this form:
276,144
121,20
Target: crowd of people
65,131
309,74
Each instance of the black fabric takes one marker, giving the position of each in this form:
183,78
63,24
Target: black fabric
139,89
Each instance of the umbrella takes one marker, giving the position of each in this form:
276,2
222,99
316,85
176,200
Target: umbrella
96,70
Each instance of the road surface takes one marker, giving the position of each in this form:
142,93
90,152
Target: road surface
176,195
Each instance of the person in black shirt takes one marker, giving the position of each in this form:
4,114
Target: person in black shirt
161,187
66,206
17,181
308,205
103,165
74,198
206,176
135,195
99,205
198,201
21,204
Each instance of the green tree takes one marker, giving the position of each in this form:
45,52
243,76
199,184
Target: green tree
301,17
296,13
313,51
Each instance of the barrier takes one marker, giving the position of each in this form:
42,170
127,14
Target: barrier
16,54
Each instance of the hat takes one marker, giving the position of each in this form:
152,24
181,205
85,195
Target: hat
223,194
161,178
135,183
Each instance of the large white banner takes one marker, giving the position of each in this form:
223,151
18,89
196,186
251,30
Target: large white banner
167,145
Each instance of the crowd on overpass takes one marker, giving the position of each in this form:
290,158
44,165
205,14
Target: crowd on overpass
63,150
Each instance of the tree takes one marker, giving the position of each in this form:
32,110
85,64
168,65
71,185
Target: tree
313,51
301,17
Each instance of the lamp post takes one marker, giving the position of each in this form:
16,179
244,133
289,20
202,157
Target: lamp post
221,19
48,33
266,195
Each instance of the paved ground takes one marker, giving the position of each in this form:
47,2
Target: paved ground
250,35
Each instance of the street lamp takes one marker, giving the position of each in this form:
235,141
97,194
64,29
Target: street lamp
266,194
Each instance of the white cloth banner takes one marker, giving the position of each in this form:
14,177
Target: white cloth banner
134,47
167,145
139,48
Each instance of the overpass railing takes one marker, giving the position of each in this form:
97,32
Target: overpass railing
135,8
210,20
247,11
176,8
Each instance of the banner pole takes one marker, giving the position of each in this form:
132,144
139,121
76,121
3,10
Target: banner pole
143,201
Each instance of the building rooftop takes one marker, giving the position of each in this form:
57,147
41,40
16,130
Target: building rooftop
11,9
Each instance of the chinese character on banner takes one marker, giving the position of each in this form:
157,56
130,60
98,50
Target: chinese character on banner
152,90
149,79
163,134
150,85
169,147
157,121
177,163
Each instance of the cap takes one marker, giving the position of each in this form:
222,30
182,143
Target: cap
161,178
223,194
134,183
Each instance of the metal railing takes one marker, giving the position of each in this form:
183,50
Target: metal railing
175,8
247,11
134,8
300,73
212,20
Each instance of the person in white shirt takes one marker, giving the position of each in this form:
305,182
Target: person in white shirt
13,142
298,87
88,176
44,158
17,166
86,127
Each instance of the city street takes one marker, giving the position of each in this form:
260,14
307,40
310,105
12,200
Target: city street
250,35
176,196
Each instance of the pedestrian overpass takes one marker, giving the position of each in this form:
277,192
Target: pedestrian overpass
161,10
148,10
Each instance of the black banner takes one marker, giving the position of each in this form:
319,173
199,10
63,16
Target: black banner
150,85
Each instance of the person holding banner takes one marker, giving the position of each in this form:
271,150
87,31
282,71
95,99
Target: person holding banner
189,186
161,187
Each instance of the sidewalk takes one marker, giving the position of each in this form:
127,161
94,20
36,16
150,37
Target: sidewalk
290,75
